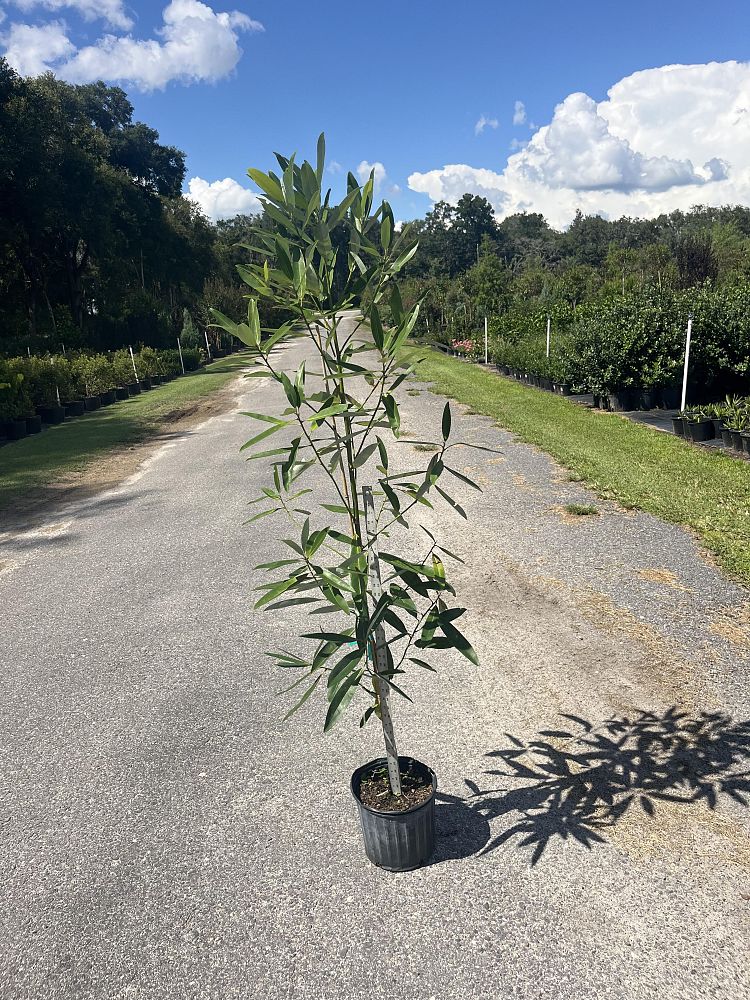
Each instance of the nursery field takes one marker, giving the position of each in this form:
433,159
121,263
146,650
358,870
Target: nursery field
592,766
634,465
41,459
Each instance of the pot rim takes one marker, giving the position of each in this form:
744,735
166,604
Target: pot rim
389,812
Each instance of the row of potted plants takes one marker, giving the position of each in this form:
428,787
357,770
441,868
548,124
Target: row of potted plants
37,392
729,421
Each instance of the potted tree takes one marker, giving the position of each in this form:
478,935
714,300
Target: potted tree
338,416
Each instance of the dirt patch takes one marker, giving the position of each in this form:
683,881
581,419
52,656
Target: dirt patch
663,576
110,468
733,625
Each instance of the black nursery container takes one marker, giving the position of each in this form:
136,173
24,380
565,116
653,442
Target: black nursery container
397,841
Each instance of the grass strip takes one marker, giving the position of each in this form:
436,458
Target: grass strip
39,459
636,465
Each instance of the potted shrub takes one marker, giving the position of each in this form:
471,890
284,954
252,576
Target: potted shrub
15,403
700,427
338,416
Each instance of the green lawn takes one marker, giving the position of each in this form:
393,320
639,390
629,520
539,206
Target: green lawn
38,460
635,465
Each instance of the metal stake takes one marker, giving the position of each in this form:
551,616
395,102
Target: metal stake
179,348
378,645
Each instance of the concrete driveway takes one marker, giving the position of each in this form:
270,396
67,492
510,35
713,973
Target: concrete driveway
163,835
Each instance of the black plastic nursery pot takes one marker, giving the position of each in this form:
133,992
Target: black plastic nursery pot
134,389
75,408
678,426
397,841
737,440
34,424
146,382
745,442
726,437
624,400
15,429
648,399
121,392
91,403
108,397
562,388
52,414
700,430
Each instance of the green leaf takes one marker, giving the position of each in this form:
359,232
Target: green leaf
276,590
266,184
304,698
447,422
463,478
422,663
341,699
458,641
394,418
263,434
321,157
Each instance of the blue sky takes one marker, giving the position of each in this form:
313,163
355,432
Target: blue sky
405,85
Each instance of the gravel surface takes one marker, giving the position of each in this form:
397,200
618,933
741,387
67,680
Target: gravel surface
165,836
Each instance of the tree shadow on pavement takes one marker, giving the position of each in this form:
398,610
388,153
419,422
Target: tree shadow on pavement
579,781
461,829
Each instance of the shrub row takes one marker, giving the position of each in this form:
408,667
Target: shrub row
28,384
635,342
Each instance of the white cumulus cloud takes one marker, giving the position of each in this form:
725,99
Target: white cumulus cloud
665,138
194,44
484,123
33,49
365,169
111,11
519,113
222,199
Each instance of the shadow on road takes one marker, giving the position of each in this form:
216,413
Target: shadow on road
579,781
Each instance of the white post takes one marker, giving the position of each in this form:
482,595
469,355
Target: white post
28,350
135,370
379,659
687,361
485,340
208,346
548,332
63,349
179,348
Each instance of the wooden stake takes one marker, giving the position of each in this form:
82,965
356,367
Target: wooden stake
378,645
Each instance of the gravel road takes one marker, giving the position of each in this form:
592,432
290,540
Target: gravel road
164,835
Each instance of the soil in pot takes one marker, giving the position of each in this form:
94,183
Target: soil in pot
52,414
403,839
